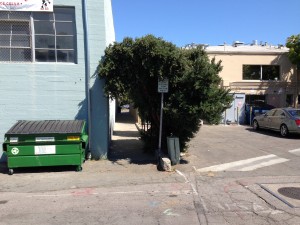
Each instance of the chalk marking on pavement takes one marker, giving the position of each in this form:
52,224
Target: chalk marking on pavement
187,181
220,206
274,212
247,208
168,212
203,204
246,165
295,151
126,192
182,192
54,195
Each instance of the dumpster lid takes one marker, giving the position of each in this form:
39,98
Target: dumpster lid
46,127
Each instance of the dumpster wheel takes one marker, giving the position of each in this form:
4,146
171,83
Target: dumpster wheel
10,171
78,168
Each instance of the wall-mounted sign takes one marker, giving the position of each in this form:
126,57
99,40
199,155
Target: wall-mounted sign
27,5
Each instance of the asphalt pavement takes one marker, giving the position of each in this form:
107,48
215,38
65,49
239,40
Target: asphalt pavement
230,175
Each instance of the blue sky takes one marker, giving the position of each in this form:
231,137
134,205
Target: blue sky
210,22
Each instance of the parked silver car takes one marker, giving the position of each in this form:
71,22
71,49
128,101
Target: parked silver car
285,120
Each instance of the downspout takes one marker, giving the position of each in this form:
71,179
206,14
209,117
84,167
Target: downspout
87,69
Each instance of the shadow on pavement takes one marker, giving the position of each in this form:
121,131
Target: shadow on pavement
126,148
272,133
127,144
133,134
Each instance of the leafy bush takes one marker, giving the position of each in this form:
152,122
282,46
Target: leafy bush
132,69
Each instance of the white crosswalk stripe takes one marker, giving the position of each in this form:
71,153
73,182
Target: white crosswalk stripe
247,164
295,151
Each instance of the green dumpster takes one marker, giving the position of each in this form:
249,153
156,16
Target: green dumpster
45,143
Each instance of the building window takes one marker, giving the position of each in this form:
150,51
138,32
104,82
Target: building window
255,99
289,100
38,36
15,37
261,72
55,36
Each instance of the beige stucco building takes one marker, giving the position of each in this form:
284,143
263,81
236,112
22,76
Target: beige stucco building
260,71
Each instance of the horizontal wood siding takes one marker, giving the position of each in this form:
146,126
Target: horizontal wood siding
46,91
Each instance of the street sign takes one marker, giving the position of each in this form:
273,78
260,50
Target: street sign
163,86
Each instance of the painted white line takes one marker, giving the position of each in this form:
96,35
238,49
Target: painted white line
295,151
264,164
187,181
227,166
181,174
246,165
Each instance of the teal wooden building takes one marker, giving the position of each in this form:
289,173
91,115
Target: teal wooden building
49,54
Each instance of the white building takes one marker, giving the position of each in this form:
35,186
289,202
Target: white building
259,72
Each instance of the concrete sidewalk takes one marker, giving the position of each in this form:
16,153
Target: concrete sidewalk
127,144
127,163
128,189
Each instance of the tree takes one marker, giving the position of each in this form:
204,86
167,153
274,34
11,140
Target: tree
132,69
293,43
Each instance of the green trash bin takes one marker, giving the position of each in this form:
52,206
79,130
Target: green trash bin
173,149
45,143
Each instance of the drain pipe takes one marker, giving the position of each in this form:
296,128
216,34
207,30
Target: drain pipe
87,69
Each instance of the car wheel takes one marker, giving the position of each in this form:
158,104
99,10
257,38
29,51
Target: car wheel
284,131
255,125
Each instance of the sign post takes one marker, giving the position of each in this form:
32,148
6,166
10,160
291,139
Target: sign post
163,87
